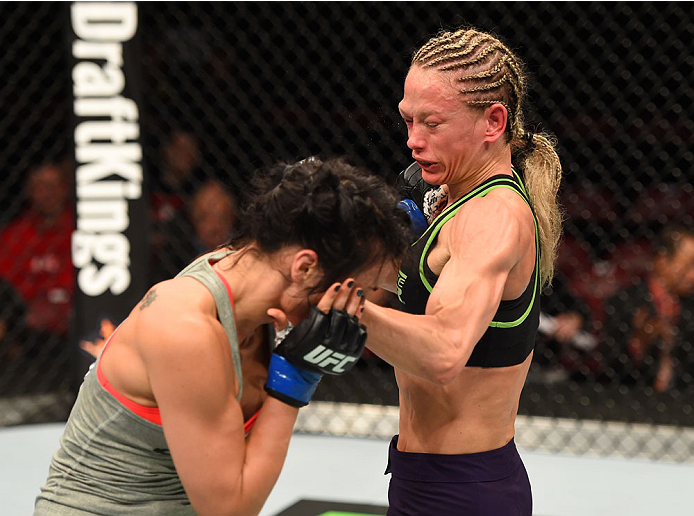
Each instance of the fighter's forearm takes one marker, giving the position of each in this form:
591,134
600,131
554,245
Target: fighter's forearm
266,450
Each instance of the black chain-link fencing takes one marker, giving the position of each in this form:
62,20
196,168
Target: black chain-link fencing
36,278
230,87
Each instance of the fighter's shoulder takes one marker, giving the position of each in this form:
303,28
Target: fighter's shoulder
500,213
170,293
175,307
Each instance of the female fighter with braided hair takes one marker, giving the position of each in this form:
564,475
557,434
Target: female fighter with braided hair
162,424
470,286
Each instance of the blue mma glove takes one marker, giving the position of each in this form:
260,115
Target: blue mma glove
412,188
429,199
417,220
290,384
320,344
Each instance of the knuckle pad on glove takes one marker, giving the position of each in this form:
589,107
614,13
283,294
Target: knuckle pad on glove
350,343
303,336
411,185
337,328
325,343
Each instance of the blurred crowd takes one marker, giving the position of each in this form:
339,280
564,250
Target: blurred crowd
190,214
619,311
621,307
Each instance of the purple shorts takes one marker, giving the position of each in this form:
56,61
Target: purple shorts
489,483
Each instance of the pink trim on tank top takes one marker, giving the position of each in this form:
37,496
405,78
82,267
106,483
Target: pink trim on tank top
152,414
226,285
248,425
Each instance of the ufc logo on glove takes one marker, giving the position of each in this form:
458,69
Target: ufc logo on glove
320,344
323,357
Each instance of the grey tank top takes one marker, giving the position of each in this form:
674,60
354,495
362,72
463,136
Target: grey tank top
113,462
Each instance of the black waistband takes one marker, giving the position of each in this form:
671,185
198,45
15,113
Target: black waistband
469,467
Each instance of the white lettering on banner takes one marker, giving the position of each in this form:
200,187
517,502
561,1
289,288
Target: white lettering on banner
104,21
109,159
109,189
112,249
109,52
92,80
114,130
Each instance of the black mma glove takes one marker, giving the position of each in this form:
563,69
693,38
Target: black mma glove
325,343
410,185
427,200
320,344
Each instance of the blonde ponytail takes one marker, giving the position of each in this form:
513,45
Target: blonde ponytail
542,173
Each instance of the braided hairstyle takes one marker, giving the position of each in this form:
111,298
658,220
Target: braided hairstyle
347,215
486,72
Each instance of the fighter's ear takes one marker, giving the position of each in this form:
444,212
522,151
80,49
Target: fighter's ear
305,269
496,118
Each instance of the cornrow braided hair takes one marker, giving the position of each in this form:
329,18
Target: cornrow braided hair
486,72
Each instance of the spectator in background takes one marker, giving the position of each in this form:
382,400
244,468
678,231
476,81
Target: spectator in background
213,214
642,322
206,223
177,175
36,261
36,258
565,345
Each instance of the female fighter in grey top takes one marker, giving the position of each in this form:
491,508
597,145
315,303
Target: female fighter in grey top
161,424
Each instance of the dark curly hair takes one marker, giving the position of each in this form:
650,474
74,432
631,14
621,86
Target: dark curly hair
346,214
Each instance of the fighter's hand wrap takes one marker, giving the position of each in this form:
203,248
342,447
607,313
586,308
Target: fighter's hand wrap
320,344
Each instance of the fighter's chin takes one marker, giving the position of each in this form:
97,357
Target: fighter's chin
433,174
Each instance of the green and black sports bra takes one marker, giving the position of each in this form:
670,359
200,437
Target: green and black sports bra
511,335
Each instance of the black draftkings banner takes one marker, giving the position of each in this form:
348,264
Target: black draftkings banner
109,245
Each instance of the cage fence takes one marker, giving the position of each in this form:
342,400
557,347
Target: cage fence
228,88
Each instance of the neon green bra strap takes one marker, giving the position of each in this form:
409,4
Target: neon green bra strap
449,213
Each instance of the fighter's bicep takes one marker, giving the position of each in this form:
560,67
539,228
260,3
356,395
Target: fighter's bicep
201,417
483,248
467,294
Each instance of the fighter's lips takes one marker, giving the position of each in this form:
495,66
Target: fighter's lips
425,164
